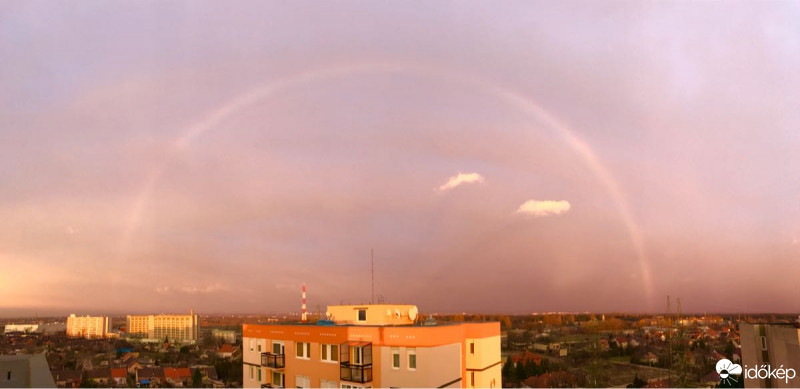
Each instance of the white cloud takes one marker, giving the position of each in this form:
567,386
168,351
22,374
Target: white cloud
540,208
461,178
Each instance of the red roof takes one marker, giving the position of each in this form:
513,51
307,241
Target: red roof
119,372
527,357
177,373
227,348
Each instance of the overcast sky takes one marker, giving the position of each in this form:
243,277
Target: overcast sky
498,156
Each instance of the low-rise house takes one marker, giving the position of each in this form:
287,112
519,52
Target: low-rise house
133,366
526,357
150,376
177,376
119,375
227,351
100,376
67,378
650,358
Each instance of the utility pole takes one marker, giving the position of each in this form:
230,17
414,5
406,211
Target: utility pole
372,262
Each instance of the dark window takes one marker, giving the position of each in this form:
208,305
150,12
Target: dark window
472,348
8,375
362,315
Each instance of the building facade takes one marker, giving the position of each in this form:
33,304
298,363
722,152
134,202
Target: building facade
25,371
770,345
157,328
91,327
372,346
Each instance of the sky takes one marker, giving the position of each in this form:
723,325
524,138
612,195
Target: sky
499,157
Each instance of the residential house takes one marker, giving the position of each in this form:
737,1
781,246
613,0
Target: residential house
178,376
67,378
100,376
150,376
227,351
119,375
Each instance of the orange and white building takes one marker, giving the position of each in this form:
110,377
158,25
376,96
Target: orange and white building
364,346
94,327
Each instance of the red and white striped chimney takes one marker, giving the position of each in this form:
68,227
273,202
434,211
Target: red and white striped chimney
304,318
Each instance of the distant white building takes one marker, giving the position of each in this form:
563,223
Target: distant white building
227,336
25,371
28,328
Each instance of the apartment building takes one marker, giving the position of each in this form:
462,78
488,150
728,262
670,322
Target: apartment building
157,328
92,327
768,347
364,346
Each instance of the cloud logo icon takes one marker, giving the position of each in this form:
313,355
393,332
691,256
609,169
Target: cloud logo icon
726,368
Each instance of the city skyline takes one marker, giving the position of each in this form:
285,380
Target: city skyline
499,158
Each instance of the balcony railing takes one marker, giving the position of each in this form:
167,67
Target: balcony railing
275,361
355,373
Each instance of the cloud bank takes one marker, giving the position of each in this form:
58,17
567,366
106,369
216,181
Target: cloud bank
541,208
461,178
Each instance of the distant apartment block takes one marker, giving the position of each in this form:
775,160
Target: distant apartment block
25,328
227,336
91,327
774,345
365,346
157,328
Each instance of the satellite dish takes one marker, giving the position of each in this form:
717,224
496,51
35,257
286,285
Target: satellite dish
397,313
328,314
412,313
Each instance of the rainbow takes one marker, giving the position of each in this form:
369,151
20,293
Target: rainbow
515,99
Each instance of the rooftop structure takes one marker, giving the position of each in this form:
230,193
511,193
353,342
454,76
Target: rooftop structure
372,346
25,371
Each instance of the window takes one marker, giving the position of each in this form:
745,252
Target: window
472,347
252,344
328,384
277,379
472,378
412,359
8,376
259,374
251,372
303,350
259,347
330,352
362,315
302,381
395,358
763,342
277,348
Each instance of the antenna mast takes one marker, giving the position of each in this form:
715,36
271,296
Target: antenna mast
372,263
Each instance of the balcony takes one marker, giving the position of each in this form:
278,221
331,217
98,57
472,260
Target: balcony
274,361
355,362
355,373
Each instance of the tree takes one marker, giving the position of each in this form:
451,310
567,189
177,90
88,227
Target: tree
521,373
197,379
508,370
637,382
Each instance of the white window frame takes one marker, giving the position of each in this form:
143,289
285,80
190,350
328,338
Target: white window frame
305,347
306,381
409,352
326,347
328,384
395,358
